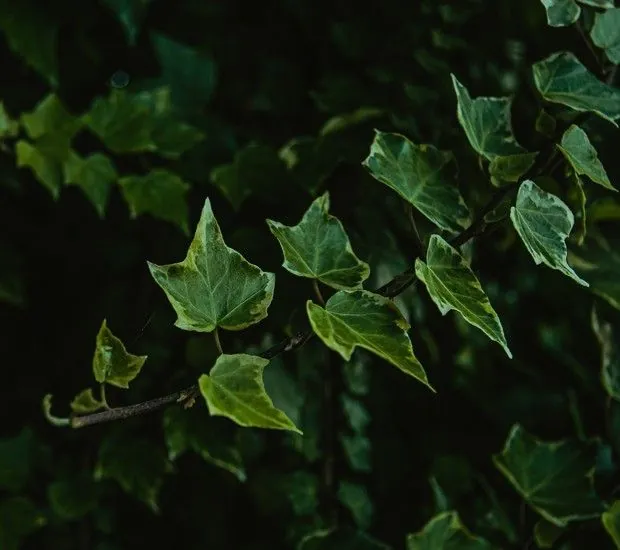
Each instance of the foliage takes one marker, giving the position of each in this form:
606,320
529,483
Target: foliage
350,177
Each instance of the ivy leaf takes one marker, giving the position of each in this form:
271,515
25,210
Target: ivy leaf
610,355
577,199
446,532
94,174
562,78
50,117
605,33
357,449
19,517
343,538
486,121
611,522
85,402
159,193
582,155
561,13
136,464
111,362
509,169
74,497
8,127
214,286
452,285
543,222
554,478
319,248
422,175
172,137
45,158
546,533
17,458
370,321
355,498
131,14
234,388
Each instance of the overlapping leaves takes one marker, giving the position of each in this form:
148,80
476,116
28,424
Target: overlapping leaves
446,532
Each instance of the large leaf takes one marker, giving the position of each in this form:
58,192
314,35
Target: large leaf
543,222
112,364
446,532
234,388
159,193
562,78
319,248
554,478
453,285
606,33
611,522
420,174
370,321
486,121
214,286
583,157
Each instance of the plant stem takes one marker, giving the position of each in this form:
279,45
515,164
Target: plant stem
102,396
317,292
414,229
218,344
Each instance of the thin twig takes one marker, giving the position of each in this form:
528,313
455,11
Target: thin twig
590,46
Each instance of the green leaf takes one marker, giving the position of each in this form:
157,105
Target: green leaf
543,222
302,490
194,430
85,402
357,449
343,538
446,532
111,362
355,498
420,174
577,199
486,121
19,518
172,137
545,124
452,285
191,75
546,533
610,355
159,193
370,321
131,14
94,174
319,248
562,78
510,168
8,127
554,478
611,522
561,13
17,457
606,33
74,497
582,155
234,388
214,286
45,158
357,415
50,117
136,464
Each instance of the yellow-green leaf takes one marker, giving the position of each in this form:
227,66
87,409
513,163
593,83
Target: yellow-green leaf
611,522
85,402
446,532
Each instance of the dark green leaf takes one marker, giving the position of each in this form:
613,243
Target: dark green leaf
370,321
131,14
111,362
554,478
355,498
357,449
17,456
302,489
214,286
546,533
453,285
319,248
577,199
234,388
610,355
606,33
344,538
446,532
561,13
510,168
611,522
74,497
19,518
356,414
94,174
85,402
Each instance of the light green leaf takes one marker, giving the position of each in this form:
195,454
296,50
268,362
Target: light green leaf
554,478
214,286
342,122
131,14
486,121
582,155
50,117
355,498
370,321
94,174
8,127
543,222
503,169
452,285
446,532
606,4
85,402
420,174
319,248
73,497
606,33
45,158
610,355
111,362
562,78
234,388
159,193
19,517
561,13
611,522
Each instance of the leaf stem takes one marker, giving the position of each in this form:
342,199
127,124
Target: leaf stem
218,344
102,396
317,292
419,244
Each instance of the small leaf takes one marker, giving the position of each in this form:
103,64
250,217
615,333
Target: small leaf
8,127
546,533
452,285
545,124
510,168
582,155
343,538
302,489
50,117
85,402
19,518
486,121
319,248
74,497
172,137
234,388
577,199
111,362
370,321
562,78
94,174
561,13
159,193
446,532
605,33
611,522
543,222
610,355
554,478
357,415
17,458
357,449
45,159
355,498
214,286
131,14
422,175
